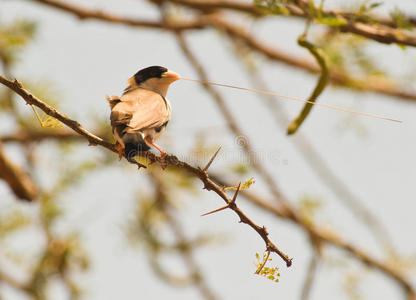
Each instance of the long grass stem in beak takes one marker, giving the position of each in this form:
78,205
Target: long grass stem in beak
370,115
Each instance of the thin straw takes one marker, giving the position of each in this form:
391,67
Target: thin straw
297,99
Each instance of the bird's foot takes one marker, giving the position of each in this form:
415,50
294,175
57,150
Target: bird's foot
163,154
120,151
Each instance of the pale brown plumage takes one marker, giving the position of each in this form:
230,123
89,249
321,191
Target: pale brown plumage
140,111
140,108
140,116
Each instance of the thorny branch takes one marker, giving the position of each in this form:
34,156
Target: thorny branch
171,160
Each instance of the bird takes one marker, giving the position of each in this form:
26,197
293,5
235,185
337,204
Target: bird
140,116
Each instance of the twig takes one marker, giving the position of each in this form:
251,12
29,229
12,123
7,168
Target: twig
320,86
210,5
84,13
310,274
30,136
263,263
19,182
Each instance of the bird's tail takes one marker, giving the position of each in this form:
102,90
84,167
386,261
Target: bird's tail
133,144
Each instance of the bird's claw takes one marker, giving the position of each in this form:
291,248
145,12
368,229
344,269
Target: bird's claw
120,151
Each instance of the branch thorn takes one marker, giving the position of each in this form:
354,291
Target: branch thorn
236,193
216,210
211,160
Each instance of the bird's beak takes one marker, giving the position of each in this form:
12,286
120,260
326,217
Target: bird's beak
172,76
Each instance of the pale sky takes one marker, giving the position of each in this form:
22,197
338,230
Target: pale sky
87,60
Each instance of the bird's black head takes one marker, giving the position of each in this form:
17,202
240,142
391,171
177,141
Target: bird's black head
148,73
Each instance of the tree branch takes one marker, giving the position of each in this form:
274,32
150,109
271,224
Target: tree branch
19,182
337,77
310,277
170,160
30,136
84,13
320,86
377,32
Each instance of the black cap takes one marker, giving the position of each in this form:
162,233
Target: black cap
149,72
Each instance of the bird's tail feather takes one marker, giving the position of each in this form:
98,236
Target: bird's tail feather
134,144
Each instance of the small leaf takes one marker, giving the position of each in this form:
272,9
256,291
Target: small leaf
375,5
51,122
244,185
331,21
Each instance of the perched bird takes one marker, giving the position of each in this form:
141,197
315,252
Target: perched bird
140,115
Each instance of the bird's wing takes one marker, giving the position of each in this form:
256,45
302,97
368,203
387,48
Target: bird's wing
140,109
120,115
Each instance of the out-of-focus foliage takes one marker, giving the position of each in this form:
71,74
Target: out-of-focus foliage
274,7
308,208
400,19
154,221
244,185
348,53
62,255
15,37
11,221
